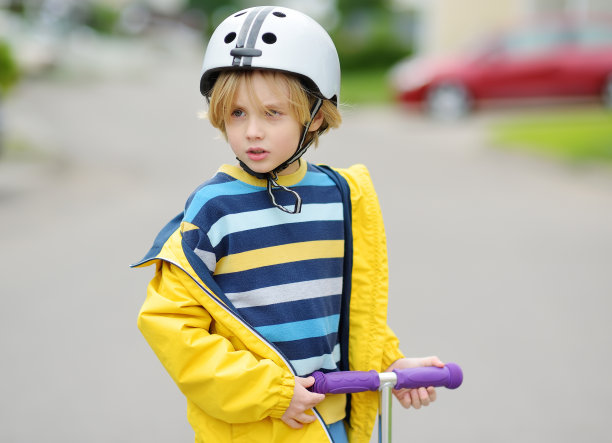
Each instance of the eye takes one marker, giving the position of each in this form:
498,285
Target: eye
272,113
237,113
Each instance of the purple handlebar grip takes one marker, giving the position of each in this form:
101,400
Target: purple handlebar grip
450,376
344,382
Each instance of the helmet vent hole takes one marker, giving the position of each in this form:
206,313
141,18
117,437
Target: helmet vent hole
240,13
230,37
269,38
279,14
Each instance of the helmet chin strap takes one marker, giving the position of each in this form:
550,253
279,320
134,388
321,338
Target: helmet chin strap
272,176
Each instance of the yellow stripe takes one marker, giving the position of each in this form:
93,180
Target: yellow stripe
276,255
186,226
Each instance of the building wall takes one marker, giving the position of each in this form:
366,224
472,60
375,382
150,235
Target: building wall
448,26
454,24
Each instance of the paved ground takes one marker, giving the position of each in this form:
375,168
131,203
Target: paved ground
499,262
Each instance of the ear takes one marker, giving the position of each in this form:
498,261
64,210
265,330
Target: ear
316,122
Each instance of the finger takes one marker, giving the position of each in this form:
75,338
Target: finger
305,381
403,395
314,399
306,418
293,423
415,400
423,396
433,361
432,393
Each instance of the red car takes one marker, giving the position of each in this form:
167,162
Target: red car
551,59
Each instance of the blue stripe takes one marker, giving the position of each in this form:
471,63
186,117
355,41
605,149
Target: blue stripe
272,217
299,330
298,310
207,193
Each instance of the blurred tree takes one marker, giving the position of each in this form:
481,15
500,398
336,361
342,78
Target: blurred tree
346,7
211,9
9,74
101,17
371,34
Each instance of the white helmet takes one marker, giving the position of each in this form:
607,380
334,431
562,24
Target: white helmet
270,37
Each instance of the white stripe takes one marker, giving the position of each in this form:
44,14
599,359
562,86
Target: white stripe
287,293
309,365
271,217
209,258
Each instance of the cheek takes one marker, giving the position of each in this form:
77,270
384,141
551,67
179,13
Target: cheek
293,133
232,139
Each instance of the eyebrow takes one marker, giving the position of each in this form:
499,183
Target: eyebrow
269,105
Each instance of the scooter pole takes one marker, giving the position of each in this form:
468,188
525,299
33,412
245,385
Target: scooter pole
388,380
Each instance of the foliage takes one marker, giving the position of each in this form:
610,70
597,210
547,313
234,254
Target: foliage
577,136
102,18
365,87
9,71
371,36
214,10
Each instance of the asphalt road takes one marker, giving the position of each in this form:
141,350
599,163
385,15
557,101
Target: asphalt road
499,261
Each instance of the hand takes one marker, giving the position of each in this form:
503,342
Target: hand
415,397
296,416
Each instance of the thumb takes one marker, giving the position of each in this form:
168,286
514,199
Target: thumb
305,381
434,361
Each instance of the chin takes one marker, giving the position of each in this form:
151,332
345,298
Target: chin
259,168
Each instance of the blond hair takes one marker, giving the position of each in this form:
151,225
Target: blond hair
221,100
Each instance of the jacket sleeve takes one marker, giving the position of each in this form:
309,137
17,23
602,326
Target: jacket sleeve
230,384
391,351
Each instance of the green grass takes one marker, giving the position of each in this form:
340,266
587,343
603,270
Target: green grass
576,136
365,87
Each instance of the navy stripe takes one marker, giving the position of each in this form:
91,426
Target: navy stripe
279,235
300,349
296,310
284,273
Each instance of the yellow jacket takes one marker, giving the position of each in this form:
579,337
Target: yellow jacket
236,383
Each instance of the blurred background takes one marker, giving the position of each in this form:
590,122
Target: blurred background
488,133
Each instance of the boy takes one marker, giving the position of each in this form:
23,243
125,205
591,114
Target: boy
276,268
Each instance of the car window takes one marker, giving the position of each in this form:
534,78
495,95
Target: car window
595,36
534,41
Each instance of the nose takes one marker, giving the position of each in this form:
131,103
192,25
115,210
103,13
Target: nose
254,129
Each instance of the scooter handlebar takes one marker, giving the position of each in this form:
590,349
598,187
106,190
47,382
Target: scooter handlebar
343,382
450,376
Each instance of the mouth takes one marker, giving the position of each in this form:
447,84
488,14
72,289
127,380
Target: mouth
257,153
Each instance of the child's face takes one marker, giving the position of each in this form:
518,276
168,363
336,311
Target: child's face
263,137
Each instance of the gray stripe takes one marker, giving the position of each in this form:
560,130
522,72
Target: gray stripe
208,258
286,293
254,33
244,32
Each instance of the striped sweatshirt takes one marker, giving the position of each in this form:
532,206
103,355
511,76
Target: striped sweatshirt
282,272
